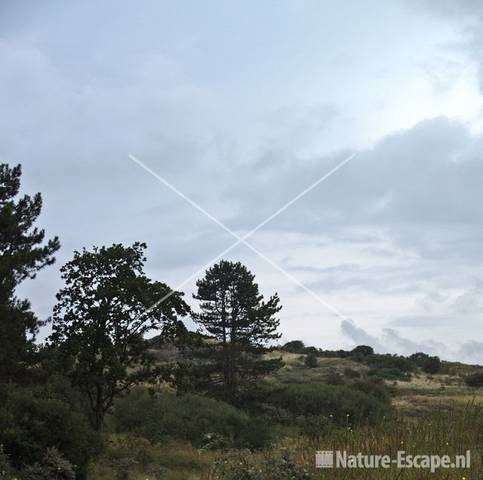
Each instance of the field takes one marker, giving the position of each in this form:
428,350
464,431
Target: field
434,414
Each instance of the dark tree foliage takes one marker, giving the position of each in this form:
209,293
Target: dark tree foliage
23,252
242,323
432,365
475,380
362,350
294,346
101,318
311,360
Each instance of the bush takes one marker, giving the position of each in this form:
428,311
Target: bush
7,472
389,362
389,374
243,466
295,346
53,466
31,422
362,350
334,378
203,421
343,404
351,373
311,360
475,380
431,365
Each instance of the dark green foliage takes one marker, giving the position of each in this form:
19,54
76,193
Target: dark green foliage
362,350
241,323
334,378
342,404
419,358
432,365
311,360
52,467
205,422
101,318
294,346
351,373
375,388
23,253
32,421
389,374
7,472
243,466
475,380
389,361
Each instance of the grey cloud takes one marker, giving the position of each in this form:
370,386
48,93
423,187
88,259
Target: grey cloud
389,342
359,336
471,352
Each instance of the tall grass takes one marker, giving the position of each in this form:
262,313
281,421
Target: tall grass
443,432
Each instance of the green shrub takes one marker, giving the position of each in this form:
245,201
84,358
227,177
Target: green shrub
52,467
334,378
7,472
243,466
389,374
203,421
343,404
431,365
295,346
31,422
475,380
311,360
351,373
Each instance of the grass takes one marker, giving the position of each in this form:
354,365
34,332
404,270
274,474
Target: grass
436,414
444,431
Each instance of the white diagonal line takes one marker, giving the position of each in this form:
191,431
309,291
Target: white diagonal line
251,232
299,196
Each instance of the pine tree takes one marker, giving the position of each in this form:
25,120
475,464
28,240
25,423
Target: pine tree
23,253
241,322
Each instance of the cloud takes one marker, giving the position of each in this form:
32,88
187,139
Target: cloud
359,336
472,352
244,115
391,341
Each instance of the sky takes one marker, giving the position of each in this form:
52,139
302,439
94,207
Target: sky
239,107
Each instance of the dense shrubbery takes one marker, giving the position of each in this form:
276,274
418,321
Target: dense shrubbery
475,380
203,421
359,403
240,466
311,360
52,466
32,421
389,367
389,374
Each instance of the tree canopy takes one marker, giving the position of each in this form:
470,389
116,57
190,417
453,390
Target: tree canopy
23,253
233,311
103,313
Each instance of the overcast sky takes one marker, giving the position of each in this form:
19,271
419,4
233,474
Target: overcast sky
241,106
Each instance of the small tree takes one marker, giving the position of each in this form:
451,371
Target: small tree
311,360
294,346
431,365
23,252
235,314
101,318
362,351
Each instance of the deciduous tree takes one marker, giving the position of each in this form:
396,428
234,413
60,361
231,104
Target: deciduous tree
101,318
